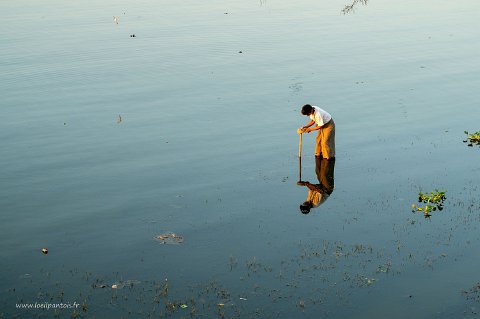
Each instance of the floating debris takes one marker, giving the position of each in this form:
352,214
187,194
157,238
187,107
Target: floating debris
434,201
100,286
384,268
370,281
133,36
127,283
301,304
115,19
44,251
119,120
183,306
169,238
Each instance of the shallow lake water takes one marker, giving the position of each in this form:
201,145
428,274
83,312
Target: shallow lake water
110,139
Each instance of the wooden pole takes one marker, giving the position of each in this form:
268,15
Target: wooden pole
300,146
300,159
299,169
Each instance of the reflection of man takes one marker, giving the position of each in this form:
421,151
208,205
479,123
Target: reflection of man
318,193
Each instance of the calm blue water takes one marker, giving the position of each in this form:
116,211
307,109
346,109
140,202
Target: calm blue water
206,148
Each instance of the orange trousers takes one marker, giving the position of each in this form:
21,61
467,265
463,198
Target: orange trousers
325,142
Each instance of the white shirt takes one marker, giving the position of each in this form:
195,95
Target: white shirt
316,198
320,116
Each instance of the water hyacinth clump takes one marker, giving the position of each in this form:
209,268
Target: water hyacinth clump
472,138
433,200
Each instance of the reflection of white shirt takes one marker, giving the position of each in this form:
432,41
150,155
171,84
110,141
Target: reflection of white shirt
316,198
320,116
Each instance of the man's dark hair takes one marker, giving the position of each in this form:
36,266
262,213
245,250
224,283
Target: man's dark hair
305,208
307,109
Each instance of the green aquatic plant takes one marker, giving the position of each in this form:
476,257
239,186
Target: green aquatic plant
472,138
473,293
433,197
84,306
433,200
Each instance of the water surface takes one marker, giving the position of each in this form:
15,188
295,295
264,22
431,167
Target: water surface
206,148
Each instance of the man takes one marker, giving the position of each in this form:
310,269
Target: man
325,143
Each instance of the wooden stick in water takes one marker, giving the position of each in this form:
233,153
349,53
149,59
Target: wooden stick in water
299,169
300,146
300,156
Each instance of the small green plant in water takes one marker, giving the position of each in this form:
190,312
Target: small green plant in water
433,200
434,197
472,138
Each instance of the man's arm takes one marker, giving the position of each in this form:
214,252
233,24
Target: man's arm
316,128
309,124
310,186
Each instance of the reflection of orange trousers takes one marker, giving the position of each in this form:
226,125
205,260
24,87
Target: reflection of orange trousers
325,143
325,173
